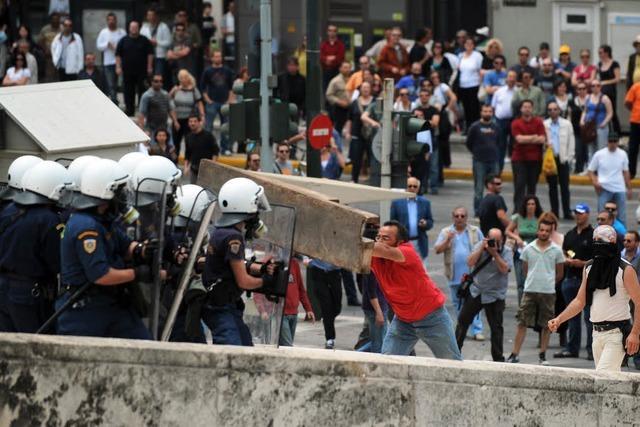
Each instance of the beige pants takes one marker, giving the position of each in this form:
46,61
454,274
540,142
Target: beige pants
608,351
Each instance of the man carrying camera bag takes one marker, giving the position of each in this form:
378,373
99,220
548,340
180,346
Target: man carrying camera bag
491,261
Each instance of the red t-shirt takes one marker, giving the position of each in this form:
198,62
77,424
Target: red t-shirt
527,152
407,286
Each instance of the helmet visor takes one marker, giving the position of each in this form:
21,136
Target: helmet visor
263,203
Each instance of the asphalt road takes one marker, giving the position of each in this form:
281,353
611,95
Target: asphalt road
455,193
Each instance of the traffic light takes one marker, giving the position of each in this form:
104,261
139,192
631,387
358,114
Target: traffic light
243,117
408,128
284,120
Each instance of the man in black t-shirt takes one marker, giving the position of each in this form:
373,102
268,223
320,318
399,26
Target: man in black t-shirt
482,141
493,209
200,144
423,109
216,84
134,61
578,249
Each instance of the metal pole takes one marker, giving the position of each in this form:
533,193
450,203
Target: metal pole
387,136
266,153
186,275
313,94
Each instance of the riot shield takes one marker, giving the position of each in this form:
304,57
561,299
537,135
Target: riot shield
263,311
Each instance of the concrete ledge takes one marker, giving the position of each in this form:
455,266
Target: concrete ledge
51,380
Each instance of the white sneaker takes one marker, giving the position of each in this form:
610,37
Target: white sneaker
330,344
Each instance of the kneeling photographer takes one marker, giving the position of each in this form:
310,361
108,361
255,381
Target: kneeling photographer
486,288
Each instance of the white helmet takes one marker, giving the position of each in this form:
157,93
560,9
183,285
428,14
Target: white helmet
152,176
98,184
77,167
193,201
14,176
130,161
45,182
240,199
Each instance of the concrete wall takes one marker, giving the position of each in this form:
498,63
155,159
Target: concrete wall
84,381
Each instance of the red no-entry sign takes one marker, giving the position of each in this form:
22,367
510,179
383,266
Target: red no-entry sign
319,133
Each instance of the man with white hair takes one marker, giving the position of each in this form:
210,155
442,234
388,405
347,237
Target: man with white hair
607,285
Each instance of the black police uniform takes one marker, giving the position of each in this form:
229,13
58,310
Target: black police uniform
91,245
29,264
223,311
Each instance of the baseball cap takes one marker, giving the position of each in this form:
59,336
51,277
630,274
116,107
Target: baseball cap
582,208
564,49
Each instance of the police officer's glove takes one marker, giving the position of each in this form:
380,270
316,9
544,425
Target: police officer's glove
268,283
143,274
143,252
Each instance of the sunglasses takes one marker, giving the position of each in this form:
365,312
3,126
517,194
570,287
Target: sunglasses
585,56
283,151
628,241
497,183
459,216
611,209
413,186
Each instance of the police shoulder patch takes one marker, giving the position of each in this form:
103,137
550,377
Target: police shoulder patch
89,245
234,246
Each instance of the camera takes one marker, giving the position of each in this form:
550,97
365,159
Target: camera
491,243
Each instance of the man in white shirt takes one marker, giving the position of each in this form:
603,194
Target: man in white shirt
106,43
67,52
229,33
501,103
562,141
609,173
160,37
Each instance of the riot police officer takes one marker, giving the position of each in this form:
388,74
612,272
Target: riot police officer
30,230
226,273
95,250
15,173
193,200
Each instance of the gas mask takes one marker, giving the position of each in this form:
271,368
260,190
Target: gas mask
121,206
255,228
173,206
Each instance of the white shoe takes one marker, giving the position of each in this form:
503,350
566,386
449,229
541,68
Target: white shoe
330,344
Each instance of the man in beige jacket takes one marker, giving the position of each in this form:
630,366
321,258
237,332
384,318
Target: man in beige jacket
338,97
562,141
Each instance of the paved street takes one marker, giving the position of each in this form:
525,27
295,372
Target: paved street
455,193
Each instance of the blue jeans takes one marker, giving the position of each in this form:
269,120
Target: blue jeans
504,138
476,325
226,325
288,329
434,166
211,111
112,82
570,287
376,333
520,277
435,329
621,202
100,315
480,171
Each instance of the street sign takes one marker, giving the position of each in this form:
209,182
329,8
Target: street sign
319,133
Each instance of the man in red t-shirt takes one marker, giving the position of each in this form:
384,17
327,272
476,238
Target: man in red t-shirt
331,55
417,302
529,136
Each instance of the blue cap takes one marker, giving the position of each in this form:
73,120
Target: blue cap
582,208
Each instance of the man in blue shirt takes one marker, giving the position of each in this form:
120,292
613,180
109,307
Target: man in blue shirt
412,81
456,242
495,78
612,207
415,215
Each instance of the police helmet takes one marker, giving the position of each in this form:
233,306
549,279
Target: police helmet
240,199
193,201
99,183
77,167
14,176
151,177
130,161
45,182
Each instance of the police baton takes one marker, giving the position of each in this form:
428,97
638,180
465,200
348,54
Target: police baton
186,275
72,300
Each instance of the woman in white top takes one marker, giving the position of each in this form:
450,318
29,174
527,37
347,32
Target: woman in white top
608,283
19,74
469,68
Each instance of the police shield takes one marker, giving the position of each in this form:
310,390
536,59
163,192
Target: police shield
263,310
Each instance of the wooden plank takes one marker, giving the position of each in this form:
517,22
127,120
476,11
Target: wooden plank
324,229
344,192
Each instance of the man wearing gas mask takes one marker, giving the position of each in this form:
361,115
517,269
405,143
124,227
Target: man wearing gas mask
30,229
227,275
95,252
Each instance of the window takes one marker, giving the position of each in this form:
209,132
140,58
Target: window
576,19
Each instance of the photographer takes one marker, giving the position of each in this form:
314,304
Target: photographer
492,262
